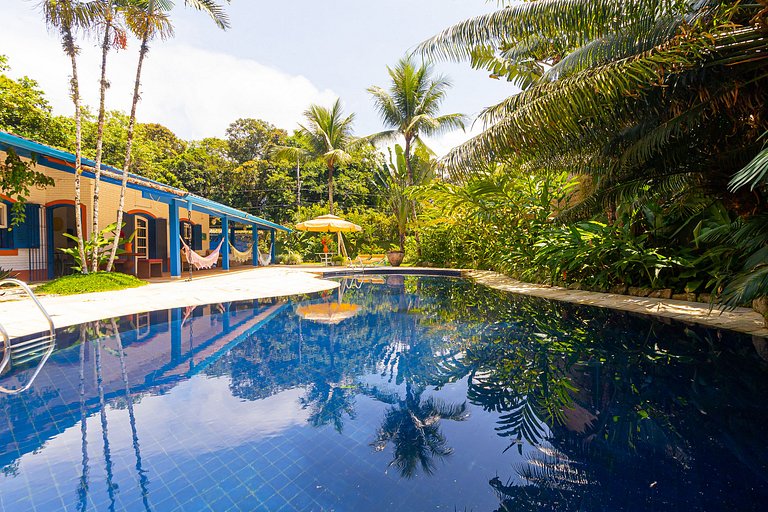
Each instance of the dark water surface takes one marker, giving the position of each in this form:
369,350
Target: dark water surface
394,393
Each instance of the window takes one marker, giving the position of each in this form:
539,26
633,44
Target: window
143,324
186,233
6,235
142,237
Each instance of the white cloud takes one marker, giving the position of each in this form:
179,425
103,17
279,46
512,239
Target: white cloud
194,92
443,144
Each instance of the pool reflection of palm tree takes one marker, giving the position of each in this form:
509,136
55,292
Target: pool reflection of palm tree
82,488
412,425
328,403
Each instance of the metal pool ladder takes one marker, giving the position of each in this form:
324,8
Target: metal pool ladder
40,347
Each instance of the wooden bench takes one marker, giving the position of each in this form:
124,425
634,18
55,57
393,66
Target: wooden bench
149,267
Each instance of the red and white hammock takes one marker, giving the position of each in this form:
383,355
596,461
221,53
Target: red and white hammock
201,262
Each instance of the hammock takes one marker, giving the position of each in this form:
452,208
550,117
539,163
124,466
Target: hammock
240,256
200,262
265,259
243,256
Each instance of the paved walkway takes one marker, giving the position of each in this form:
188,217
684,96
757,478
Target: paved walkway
20,317
740,319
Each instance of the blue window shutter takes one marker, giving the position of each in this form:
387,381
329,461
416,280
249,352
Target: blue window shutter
27,235
197,237
152,237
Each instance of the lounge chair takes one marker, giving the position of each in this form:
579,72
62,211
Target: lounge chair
370,260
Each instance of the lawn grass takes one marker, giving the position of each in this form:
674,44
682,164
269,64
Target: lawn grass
87,283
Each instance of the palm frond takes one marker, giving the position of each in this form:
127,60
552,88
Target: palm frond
215,10
558,116
631,40
573,21
754,174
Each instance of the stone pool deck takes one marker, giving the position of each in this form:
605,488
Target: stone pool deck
743,320
20,317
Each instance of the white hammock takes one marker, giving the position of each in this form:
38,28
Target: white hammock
201,262
265,259
243,256
240,256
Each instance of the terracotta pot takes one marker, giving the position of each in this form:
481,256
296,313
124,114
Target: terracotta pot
395,258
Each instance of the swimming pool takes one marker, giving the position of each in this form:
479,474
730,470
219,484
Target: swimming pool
392,393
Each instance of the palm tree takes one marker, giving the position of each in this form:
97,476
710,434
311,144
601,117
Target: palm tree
410,108
392,181
113,35
413,426
67,17
147,23
329,134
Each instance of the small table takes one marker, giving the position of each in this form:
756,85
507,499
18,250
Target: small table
149,267
325,258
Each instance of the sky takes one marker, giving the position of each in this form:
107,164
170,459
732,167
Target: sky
277,58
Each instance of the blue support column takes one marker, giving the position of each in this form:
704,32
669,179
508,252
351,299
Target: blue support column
225,245
174,241
255,249
272,249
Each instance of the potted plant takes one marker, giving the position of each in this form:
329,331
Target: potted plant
337,260
395,256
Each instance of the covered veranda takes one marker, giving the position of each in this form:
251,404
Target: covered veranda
228,216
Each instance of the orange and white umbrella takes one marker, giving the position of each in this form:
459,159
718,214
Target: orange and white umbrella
328,224
328,312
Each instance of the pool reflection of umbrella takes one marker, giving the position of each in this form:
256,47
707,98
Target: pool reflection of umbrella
330,224
330,313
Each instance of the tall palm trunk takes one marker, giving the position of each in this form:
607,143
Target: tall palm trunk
413,203
129,145
100,140
408,159
71,51
330,189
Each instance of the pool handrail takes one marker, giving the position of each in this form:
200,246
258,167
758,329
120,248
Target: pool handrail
8,347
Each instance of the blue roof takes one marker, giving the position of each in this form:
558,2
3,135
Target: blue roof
151,189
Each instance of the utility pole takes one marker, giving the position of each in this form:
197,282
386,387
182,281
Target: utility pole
298,184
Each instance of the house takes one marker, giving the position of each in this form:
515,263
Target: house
158,215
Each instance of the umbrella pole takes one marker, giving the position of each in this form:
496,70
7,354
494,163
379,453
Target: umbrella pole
342,248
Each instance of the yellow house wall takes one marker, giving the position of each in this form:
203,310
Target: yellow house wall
109,199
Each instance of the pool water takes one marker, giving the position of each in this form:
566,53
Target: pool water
392,393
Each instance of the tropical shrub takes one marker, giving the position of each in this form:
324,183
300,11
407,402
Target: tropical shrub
290,258
100,245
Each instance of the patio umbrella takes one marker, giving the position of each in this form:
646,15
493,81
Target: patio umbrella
330,224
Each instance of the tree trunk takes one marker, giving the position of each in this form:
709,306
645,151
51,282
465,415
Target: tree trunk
408,159
128,146
99,143
410,184
330,189
71,50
